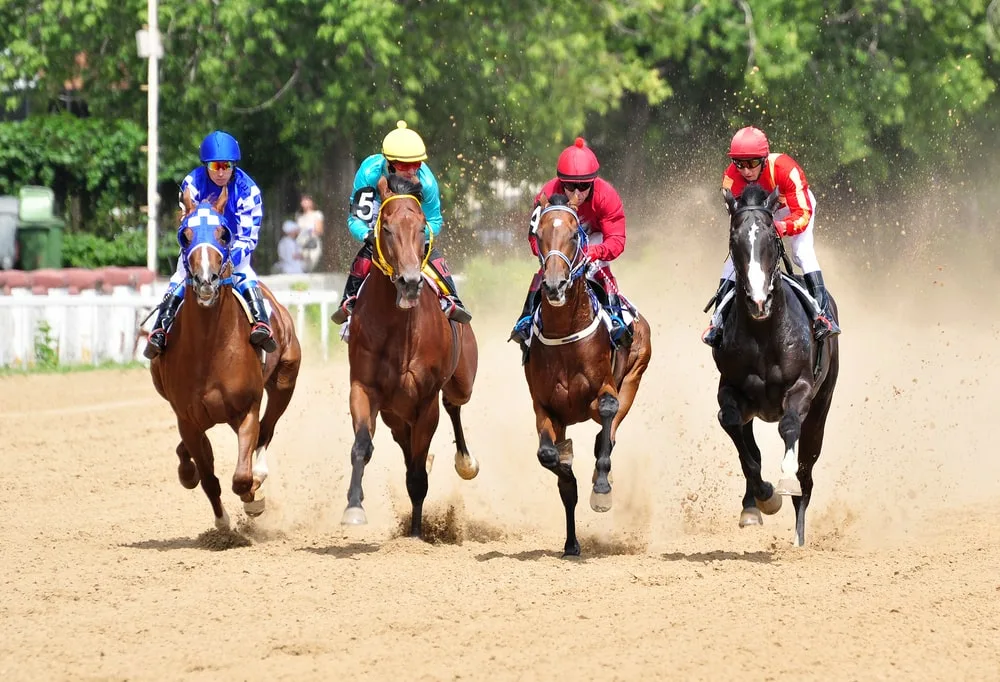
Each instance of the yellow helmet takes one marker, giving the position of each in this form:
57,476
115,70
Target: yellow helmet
403,144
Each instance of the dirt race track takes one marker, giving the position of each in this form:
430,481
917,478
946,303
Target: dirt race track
109,569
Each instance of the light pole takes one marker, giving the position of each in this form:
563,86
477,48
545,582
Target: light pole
150,47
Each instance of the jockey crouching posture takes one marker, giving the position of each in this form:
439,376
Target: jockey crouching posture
602,217
244,211
403,154
753,162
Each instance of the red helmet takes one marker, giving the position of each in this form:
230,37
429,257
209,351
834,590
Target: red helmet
749,143
577,162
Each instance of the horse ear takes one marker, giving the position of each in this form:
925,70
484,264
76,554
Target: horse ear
772,200
543,200
220,203
383,187
187,201
184,237
730,200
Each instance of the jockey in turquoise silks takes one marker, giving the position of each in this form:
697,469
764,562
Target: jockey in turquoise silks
403,154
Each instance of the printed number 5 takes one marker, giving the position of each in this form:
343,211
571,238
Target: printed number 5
536,215
365,205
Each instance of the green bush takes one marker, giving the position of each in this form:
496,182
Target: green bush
84,250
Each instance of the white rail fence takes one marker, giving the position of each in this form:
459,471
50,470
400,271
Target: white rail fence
92,327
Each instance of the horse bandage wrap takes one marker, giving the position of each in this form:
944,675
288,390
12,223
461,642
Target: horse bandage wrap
380,262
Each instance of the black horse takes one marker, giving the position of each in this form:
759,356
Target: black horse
769,363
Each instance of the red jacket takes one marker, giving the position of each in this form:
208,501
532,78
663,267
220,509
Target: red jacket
601,212
783,172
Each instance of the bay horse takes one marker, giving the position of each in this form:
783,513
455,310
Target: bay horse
403,352
573,375
209,372
770,365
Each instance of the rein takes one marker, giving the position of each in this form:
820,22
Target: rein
380,262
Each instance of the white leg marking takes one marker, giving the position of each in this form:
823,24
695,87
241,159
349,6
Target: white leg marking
790,463
222,522
260,464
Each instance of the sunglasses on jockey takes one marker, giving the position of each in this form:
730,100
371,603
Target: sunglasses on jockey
216,166
404,166
744,164
578,186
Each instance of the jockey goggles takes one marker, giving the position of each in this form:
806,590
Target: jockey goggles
404,166
577,186
744,164
216,166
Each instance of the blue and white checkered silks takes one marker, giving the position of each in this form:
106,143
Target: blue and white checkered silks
243,214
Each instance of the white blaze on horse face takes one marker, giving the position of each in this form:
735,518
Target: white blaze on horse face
755,272
206,264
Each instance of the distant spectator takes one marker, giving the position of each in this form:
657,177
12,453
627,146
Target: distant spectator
310,223
289,252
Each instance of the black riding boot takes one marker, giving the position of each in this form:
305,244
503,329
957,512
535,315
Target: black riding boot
713,335
622,337
157,341
359,270
824,324
522,328
455,310
261,335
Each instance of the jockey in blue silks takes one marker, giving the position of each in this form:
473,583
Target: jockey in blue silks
244,211
403,154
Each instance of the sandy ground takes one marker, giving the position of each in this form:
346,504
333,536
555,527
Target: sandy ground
109,570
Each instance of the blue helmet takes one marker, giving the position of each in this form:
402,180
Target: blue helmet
220,146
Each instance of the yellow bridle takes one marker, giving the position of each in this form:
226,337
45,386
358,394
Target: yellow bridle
380,261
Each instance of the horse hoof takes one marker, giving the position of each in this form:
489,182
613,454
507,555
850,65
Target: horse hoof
789,487
600,502
222,522
770,506
354,516
751,517
466,466
255,507
429,463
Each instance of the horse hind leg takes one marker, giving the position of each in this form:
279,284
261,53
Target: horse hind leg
600,496
279,394
810,445
465,464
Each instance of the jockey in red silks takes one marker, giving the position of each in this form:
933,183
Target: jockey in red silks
602,218
752,161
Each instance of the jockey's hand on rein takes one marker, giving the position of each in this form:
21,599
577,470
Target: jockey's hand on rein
781,227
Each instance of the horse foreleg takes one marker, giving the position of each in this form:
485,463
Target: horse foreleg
247,429
200,448
794,405
187,471
607,409
750,516
465,464
421,434
731,420
555,453
810,445
363,419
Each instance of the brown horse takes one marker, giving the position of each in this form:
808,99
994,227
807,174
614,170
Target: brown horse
211,374
572,373
403,351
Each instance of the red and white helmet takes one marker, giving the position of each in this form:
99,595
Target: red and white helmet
749,143
577,162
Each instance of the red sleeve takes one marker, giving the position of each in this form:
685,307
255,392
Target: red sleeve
791,182
610,216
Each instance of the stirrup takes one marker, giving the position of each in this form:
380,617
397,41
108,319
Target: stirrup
454,310
823,327
155,343
522,330
712,336
344,311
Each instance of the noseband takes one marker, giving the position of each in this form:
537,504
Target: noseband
380,262
578,263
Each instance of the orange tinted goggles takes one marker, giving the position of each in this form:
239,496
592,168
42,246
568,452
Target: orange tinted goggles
404,167
744,164
216,166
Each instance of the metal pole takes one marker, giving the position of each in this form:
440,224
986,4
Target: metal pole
152,143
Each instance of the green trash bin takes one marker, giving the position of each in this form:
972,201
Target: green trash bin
40,244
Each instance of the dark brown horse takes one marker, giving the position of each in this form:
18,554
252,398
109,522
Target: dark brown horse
771,367
211,374
572,373
403,352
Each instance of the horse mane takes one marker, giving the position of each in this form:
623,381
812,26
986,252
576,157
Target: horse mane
754,195
400,185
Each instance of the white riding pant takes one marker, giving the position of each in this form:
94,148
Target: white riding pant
803,250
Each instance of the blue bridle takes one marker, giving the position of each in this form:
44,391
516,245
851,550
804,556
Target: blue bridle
203,222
